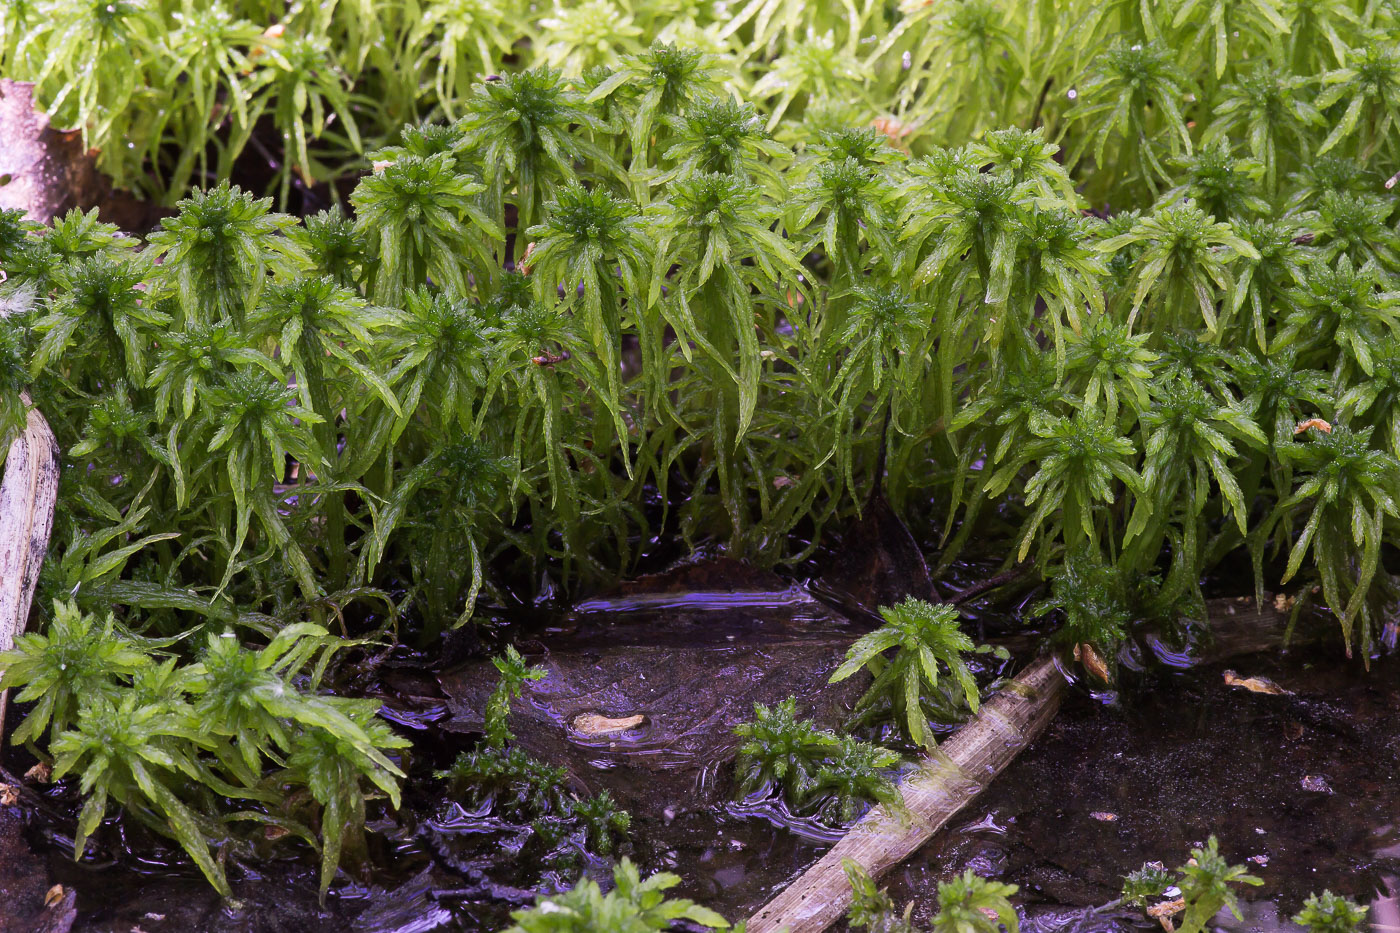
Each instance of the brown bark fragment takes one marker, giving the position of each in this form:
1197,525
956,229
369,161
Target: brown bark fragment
44,172
28,491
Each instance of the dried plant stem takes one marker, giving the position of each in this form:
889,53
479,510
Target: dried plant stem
28,492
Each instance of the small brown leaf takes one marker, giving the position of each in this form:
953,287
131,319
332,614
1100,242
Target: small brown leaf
54,896
549,359
892,128
8,796
598,724
40,773
1085,654
1255,684
1318,423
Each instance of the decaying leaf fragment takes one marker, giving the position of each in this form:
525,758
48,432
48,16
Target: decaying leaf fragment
1315,784
1164,912
598,724
1323,426
1255,684
1086,655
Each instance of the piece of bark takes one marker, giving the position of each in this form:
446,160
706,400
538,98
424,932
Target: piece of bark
962,767
28,491
44,171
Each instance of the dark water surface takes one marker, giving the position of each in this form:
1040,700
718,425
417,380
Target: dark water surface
1302,787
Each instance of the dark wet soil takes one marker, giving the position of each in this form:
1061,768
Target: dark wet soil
25,891
1301,786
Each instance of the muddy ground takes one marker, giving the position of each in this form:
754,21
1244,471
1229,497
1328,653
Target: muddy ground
1301,785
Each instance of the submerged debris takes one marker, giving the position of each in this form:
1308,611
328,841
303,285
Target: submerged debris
1085,654
1165,911
1316,783
1255,684
597,724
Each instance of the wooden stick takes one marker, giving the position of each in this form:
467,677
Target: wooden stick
28,492
953,774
